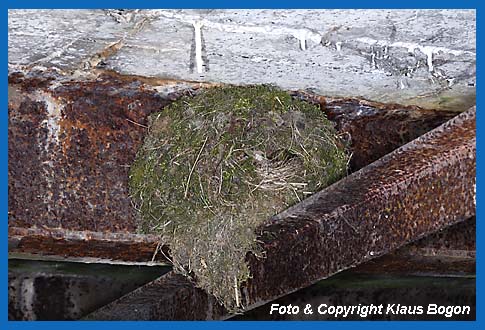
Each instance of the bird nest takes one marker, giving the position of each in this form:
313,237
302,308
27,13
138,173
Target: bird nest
215,166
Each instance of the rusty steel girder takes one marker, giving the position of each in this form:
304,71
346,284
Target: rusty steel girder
415,190
71,144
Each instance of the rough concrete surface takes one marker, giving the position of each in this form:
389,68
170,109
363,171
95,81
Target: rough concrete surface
421,57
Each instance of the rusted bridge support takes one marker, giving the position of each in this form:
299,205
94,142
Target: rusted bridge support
71,144
419,188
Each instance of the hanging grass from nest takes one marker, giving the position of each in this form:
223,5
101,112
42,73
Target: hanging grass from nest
214,167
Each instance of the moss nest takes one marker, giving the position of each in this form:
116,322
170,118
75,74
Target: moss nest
215,166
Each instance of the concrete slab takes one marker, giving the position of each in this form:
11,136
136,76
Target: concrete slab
419,57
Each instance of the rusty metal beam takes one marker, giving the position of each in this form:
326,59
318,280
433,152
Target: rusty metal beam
85,246
375,129
71,144
419,188
351,288
448,252
40,290
422,187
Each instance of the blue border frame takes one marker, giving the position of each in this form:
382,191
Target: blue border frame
334,4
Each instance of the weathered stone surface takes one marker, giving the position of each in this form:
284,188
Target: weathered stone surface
421,57
63,39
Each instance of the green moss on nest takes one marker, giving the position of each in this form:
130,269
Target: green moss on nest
214,167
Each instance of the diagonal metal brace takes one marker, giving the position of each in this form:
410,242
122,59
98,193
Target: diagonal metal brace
426,185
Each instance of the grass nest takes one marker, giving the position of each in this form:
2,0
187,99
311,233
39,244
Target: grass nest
214,167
